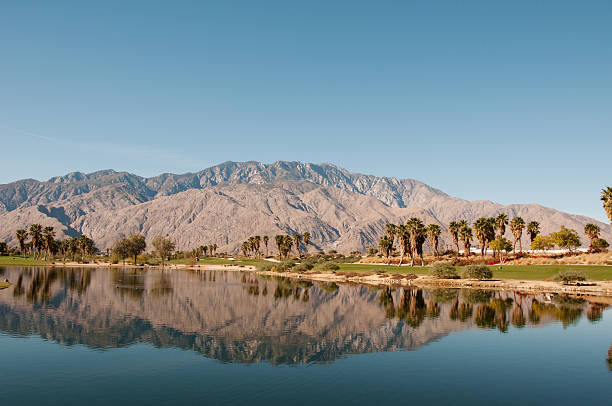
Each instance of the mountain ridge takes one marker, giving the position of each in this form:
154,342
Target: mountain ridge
89,202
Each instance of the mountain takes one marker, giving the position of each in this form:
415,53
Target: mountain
227,203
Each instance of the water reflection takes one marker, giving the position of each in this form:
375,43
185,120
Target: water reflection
239,317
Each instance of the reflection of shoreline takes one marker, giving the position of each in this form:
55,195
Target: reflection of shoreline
238,317
602,289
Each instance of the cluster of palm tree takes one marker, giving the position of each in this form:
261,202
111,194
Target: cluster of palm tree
253,245
284,243
204,250
411,237
43,243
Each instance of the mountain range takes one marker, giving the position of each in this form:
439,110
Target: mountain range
227,203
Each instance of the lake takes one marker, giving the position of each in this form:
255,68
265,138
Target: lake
123,336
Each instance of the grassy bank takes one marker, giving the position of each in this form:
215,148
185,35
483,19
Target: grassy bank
4,285
10,260
523,272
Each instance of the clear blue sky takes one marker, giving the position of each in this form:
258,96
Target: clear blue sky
507,101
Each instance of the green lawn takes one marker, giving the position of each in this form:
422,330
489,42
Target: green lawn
10,260
525,272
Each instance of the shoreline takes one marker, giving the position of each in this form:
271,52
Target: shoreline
599,288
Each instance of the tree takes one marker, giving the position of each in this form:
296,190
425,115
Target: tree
245,248
542,243
480,226
36,236
434,231
287,244
465,235
516,226
599,245
120,249
48,236
501,221
136,245
163,247
416,230
21,235
606,198
592,232
306,237
3,248
386,245
533,229
404,240
453,229
501,245
566,238
278,240
298,240
265,241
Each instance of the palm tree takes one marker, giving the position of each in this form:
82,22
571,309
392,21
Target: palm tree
465,234
278,240
245,248
533,229
416,230
404,239
36,235
21,235
306,237
592,231
480,232
453,229
297,239
265,241
434,231
257,244
385,245
516,226
501,221
606,198
48,237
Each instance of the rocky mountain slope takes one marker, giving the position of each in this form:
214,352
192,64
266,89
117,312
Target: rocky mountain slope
226,203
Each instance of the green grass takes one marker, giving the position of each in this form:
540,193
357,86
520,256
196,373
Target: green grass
4,285
524,272
10,260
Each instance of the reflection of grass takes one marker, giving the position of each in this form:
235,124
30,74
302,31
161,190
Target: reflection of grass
4,285
525,272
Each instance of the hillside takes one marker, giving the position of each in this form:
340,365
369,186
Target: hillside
227,203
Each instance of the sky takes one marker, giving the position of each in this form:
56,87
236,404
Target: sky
503,101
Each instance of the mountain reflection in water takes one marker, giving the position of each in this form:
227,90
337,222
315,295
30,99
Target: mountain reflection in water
240,317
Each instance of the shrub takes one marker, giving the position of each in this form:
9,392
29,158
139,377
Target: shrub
444,270
265,267
477,272
303,267
328,266
284,266
570,276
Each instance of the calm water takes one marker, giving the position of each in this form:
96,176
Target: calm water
74,336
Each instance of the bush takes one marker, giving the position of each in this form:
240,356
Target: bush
570,276
284,266
479,272
444,270
328,266
265,267
303,267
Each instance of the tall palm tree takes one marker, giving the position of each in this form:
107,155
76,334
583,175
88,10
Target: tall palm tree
489,232
480,233
48,236
36,236
245,248
606,198
265,241
390,230
404,239
386,245
592,231
278,240
501,221
297,239
306,237
533,229
516,226
465,235
21,235
434,231
416,230
453,229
